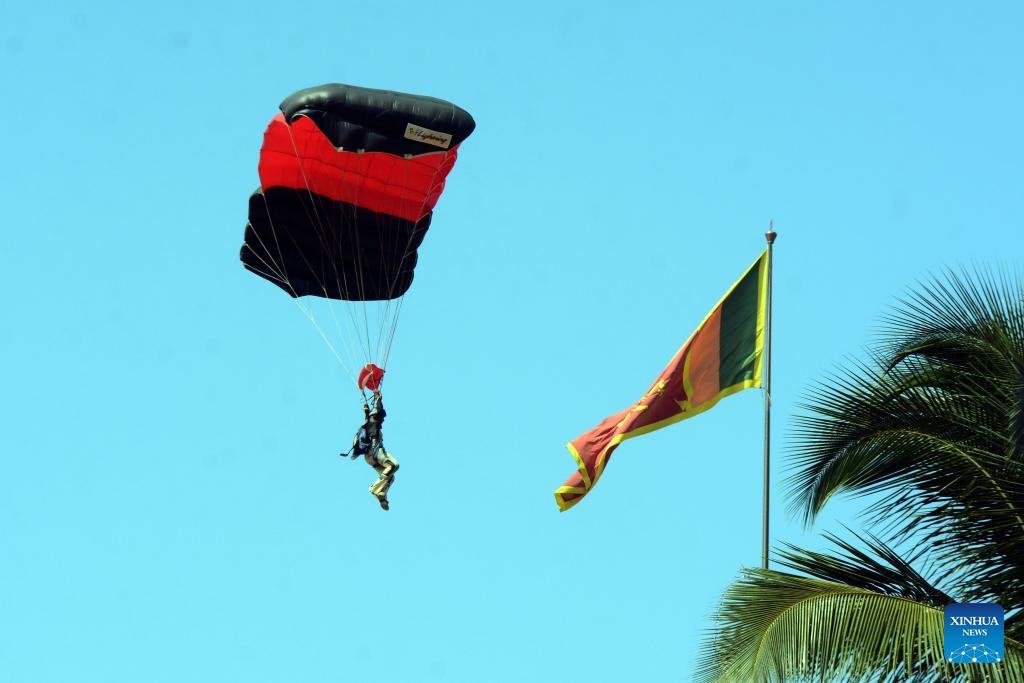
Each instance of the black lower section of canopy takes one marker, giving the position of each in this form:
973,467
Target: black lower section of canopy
308,244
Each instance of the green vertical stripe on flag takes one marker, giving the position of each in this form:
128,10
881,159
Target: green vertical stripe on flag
738,337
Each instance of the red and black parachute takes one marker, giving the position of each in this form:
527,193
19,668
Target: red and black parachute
349,178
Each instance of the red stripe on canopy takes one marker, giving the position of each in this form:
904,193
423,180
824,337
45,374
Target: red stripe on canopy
299,156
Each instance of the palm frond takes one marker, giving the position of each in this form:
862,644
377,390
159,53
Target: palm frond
880,569
774,626
933,426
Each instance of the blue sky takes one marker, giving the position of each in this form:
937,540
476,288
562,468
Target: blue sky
171,503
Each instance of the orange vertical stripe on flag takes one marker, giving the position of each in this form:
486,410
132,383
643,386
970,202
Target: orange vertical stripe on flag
703,363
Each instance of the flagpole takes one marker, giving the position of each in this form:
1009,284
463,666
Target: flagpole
770,237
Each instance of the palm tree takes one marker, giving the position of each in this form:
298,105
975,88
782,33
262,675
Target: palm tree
931,428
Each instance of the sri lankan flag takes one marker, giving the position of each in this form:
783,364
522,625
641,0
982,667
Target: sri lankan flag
721,357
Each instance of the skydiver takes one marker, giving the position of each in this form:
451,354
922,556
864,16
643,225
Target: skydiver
369,442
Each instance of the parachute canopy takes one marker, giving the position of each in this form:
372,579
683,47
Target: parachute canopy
349,178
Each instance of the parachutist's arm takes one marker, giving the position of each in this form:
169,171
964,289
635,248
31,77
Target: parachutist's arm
378,406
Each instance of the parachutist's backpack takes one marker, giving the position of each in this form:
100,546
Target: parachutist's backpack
361,442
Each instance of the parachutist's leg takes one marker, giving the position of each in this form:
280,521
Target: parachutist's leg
371,460
389,463
379,487
387,473
386,466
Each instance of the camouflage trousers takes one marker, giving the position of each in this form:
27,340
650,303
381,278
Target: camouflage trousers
385,465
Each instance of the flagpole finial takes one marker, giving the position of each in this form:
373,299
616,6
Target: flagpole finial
771,234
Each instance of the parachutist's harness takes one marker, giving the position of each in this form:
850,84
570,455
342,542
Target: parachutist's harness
369,441
368,438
